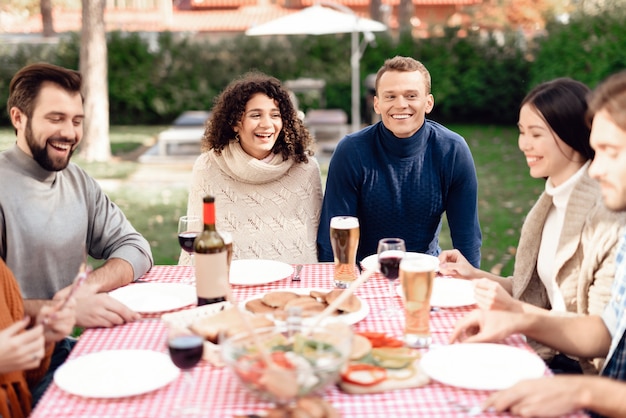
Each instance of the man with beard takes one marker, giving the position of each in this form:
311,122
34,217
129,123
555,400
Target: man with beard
580,336
52,213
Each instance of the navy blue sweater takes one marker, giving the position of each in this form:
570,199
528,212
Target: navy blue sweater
400,187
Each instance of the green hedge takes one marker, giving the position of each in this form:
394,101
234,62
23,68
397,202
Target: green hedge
476,79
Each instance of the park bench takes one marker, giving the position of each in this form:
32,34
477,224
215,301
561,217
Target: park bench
187,129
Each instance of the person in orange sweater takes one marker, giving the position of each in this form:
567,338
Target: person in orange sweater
26,344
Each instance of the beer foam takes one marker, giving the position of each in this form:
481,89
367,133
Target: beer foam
344,222
391,253
419,262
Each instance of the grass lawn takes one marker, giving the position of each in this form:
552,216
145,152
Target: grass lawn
506,191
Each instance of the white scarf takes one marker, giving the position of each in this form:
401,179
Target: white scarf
243,167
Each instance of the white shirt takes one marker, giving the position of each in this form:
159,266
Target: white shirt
551,234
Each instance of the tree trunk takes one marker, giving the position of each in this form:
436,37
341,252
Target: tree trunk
46,18
93,66
375,11
405,13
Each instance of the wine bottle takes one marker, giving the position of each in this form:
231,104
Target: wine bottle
211,259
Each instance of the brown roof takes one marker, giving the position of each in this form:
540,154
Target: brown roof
203,20
365,3
228,20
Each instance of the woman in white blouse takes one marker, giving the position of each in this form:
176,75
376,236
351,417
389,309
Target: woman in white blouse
565,258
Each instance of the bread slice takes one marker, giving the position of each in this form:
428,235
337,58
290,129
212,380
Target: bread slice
351,304
256,306
278,299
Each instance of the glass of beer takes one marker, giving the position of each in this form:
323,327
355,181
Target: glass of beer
417,273
344,238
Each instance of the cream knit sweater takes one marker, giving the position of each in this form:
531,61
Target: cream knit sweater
584,264
271,208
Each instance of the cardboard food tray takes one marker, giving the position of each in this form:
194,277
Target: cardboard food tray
183,319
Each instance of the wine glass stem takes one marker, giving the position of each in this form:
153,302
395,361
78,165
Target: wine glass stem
192,260
392,296
182,400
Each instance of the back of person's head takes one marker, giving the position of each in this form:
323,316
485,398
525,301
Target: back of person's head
610,95
27,83
562,104
404,64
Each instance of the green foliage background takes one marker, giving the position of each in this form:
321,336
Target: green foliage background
476,79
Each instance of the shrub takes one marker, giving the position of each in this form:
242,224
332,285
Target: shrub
476,79
589,48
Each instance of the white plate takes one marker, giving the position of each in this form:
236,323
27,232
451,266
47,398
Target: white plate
348,318
449,292
481,366
155,297
256,272
116,373
371,261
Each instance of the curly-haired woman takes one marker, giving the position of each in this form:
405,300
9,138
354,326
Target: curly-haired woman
257,162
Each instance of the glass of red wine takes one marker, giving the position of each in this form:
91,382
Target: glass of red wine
390,252
188,228
186,351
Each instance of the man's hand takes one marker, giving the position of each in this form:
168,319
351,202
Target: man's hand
452,263
485,326
546,397
21,350
98,309
490,295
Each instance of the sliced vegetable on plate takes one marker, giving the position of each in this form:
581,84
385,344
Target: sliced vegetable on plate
379,363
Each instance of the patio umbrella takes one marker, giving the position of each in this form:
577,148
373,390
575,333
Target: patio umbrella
321,20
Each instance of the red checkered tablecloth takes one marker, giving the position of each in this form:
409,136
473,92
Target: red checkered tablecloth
220,395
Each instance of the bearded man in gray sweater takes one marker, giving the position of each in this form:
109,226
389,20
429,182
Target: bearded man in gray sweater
52,213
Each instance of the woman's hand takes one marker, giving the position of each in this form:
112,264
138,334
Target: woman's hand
490,295
57,319
486,326
452,263
21,349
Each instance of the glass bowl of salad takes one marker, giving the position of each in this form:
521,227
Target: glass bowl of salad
281,364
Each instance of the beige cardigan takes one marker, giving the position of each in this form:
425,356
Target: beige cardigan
271,209
585,258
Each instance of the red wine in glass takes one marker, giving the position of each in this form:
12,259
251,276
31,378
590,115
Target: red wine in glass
390,264
186,350
185,239
390,253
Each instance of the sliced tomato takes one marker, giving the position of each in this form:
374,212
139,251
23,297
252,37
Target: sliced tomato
249,369
364,374
380,339
280,358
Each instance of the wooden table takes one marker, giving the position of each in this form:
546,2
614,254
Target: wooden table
220,394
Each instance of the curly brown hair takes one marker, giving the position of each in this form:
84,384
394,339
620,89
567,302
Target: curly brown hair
294,139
